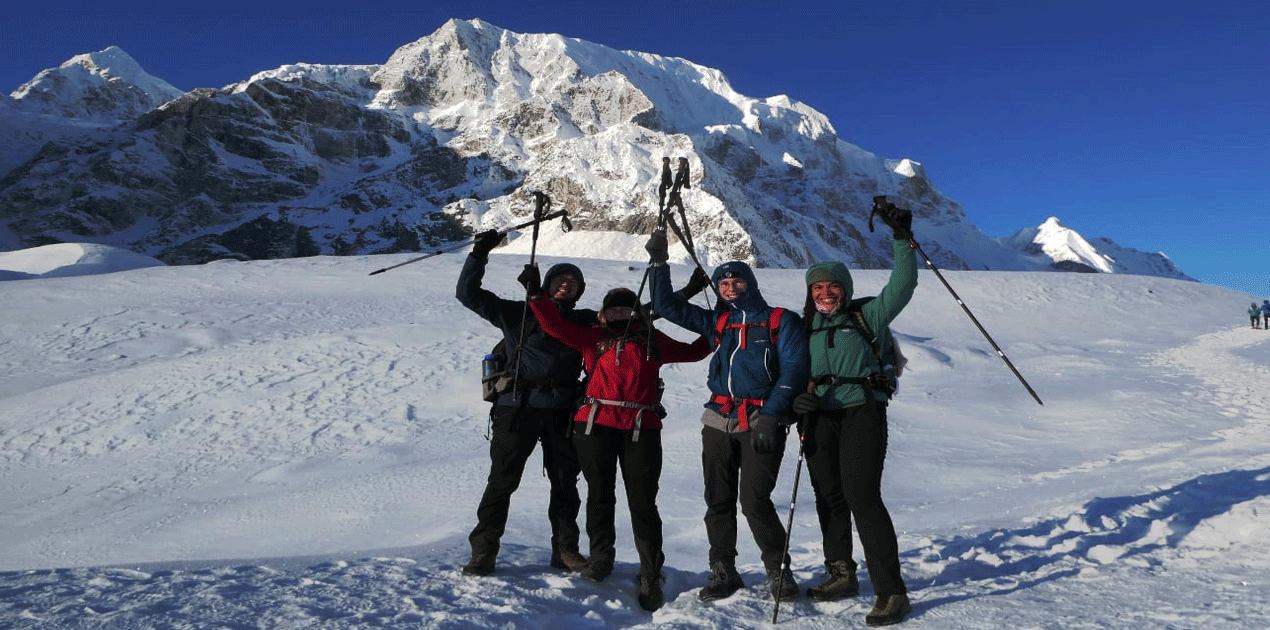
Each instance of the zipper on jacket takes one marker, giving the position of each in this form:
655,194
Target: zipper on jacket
736,349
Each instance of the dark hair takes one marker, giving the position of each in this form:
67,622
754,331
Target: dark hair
620,297
809,311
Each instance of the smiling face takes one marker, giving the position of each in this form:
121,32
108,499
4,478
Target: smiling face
732,288
563,287
827,296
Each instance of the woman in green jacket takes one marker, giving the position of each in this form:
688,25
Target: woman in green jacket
844,424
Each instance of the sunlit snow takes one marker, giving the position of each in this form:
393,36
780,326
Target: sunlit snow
296,444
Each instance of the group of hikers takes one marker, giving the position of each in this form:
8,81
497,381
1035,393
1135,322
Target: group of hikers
770,368
1260,315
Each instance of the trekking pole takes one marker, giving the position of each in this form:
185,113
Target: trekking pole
880,203
789,527
565,226
541,203
685,234
666,185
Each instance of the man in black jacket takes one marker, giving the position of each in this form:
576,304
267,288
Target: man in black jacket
540,410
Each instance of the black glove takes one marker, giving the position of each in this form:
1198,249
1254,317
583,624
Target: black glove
486,242
899,220
658,248
805,403
531,280
696,283
766,433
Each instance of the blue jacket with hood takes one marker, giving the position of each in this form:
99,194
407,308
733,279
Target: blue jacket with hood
758,371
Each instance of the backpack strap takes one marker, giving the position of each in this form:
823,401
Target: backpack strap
857,316
742,406
595,408
773,325
830,329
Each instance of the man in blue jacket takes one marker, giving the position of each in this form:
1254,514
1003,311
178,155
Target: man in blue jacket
760,363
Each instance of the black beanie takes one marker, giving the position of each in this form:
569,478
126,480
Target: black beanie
620,297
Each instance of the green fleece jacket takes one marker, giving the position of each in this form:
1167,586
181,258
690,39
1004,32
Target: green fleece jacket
851,356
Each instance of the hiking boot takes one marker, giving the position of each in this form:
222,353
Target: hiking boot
889,609
481,564
596,570
840,581
650,595
781,582
723,582
569,560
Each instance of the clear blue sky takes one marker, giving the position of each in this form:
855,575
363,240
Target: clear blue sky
1147,122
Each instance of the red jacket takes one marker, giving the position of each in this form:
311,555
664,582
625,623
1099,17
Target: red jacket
632,379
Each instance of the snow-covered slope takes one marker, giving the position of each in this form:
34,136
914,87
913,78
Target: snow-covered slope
70,259
451,134
294,444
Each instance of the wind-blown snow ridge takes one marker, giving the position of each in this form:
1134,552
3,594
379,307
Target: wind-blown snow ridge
70,259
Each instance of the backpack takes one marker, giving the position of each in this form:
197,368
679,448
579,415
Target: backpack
890,359
496,380
496,377
886,349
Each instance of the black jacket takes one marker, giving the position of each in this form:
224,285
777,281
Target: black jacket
549,371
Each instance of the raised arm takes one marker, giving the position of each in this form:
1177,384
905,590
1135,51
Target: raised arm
674,308
672,350
882,310
579,338
477,299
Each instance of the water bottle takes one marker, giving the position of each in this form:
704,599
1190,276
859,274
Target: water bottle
492,364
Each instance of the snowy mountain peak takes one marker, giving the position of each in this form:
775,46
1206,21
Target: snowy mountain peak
1063,244
452,134
1054,245
107,86
907,167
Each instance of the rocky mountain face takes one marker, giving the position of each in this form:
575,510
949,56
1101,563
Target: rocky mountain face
450,135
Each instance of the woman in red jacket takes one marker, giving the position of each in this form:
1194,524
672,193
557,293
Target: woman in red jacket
619,423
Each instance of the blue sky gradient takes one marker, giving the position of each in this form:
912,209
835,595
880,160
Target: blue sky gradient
1146,122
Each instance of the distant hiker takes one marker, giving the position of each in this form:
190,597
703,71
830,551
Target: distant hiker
1265,314
759,364
1254,313
540,409
844,425
620,423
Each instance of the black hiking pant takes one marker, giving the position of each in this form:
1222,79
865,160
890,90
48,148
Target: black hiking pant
845,449
516,433
601,454
734,471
